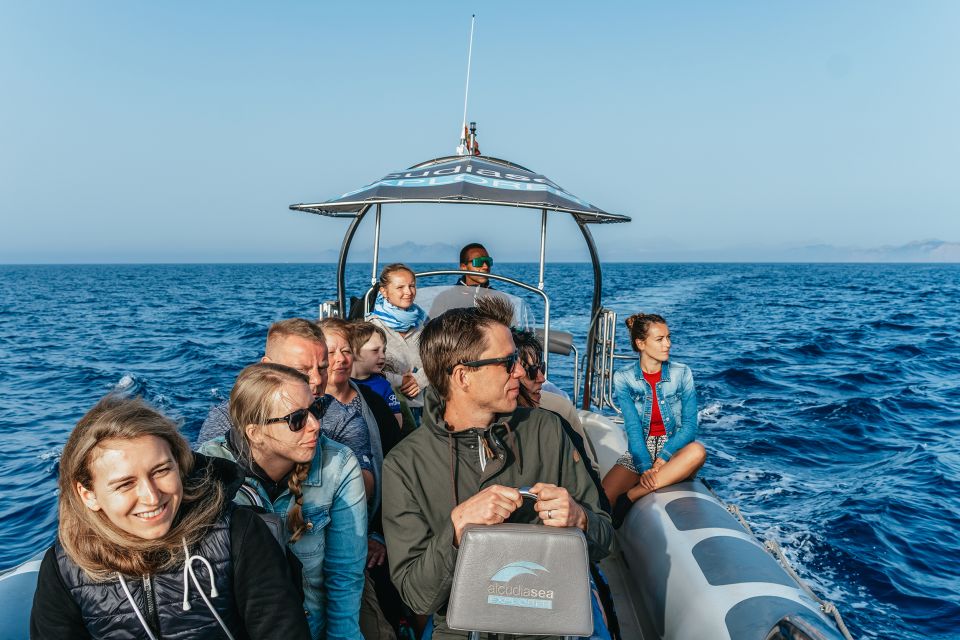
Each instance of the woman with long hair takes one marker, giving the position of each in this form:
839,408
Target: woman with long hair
312,482
397,313
659,405
148,544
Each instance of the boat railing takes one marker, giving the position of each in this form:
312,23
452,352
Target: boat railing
604,358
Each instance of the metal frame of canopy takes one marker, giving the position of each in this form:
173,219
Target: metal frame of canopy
358,210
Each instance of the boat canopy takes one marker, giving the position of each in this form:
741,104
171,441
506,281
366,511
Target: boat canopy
466,180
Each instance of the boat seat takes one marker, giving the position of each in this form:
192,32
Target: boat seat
561,342
521,579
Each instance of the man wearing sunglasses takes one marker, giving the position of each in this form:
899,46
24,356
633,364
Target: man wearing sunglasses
294,342
474,257
472,452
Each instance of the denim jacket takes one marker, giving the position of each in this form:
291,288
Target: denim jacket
677,399
333,549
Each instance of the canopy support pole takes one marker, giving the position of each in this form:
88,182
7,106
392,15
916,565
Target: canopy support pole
376,248
546,321
594,313
543,244
342,262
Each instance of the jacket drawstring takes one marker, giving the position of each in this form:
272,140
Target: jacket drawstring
136,609
188,570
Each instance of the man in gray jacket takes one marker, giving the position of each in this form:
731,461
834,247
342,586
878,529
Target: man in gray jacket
473,450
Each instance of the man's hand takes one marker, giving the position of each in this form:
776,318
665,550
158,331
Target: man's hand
409,386
493,505
557,508
376,553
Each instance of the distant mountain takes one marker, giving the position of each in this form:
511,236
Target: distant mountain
917,251
405,252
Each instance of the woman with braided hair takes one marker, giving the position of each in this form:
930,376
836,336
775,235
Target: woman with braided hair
659,405
312,482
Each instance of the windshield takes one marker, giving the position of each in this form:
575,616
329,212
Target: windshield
439,298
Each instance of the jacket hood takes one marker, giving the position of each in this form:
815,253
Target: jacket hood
495,445
434,407
221,470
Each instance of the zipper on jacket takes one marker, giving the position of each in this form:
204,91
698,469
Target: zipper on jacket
153,618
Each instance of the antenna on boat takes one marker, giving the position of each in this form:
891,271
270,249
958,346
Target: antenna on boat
468,138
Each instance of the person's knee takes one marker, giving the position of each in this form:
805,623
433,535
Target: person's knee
698,453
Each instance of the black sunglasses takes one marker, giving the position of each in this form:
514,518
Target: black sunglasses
532,369
509,362
482,260
297,420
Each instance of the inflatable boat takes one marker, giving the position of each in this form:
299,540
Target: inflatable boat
685,566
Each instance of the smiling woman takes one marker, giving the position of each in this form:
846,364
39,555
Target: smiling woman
137,511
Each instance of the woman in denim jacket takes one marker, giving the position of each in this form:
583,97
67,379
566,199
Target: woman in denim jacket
659,405
311,482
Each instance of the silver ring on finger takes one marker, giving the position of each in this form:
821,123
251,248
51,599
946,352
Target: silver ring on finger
550,514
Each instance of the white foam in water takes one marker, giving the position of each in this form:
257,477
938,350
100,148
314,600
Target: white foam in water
711,411
125,382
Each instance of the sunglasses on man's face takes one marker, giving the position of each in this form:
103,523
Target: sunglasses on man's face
297,420
509,362
482,260
532,369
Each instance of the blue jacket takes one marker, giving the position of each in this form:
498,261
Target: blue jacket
333,549
677,399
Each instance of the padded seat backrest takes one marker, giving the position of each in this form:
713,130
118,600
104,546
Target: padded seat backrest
522,579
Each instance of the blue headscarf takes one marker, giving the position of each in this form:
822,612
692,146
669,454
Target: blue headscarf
398,319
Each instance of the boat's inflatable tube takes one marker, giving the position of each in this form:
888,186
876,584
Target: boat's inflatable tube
696,572
702,575
17,586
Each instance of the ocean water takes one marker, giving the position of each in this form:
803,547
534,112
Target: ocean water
829,395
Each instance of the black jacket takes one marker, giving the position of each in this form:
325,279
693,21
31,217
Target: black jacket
257,597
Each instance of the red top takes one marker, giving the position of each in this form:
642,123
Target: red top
656,420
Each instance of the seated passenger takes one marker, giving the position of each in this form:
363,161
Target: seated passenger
294,342
344,421
474,257
396,312
533,392
147,531
473,450
293,470
359,418
369,342
659,406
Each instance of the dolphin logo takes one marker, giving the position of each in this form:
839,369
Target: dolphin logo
508,572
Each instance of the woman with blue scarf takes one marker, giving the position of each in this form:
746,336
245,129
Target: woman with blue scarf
402,320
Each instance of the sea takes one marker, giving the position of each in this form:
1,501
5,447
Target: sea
829,395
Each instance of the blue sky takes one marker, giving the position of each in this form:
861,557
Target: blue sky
181,131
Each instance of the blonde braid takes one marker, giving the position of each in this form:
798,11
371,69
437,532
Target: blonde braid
295,522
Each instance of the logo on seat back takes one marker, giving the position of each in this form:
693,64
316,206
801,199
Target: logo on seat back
510,571
519,595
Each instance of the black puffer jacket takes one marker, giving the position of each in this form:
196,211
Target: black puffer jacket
256,597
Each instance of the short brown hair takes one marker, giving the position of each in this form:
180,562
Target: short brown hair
299,327
459,335
361,331
336,325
